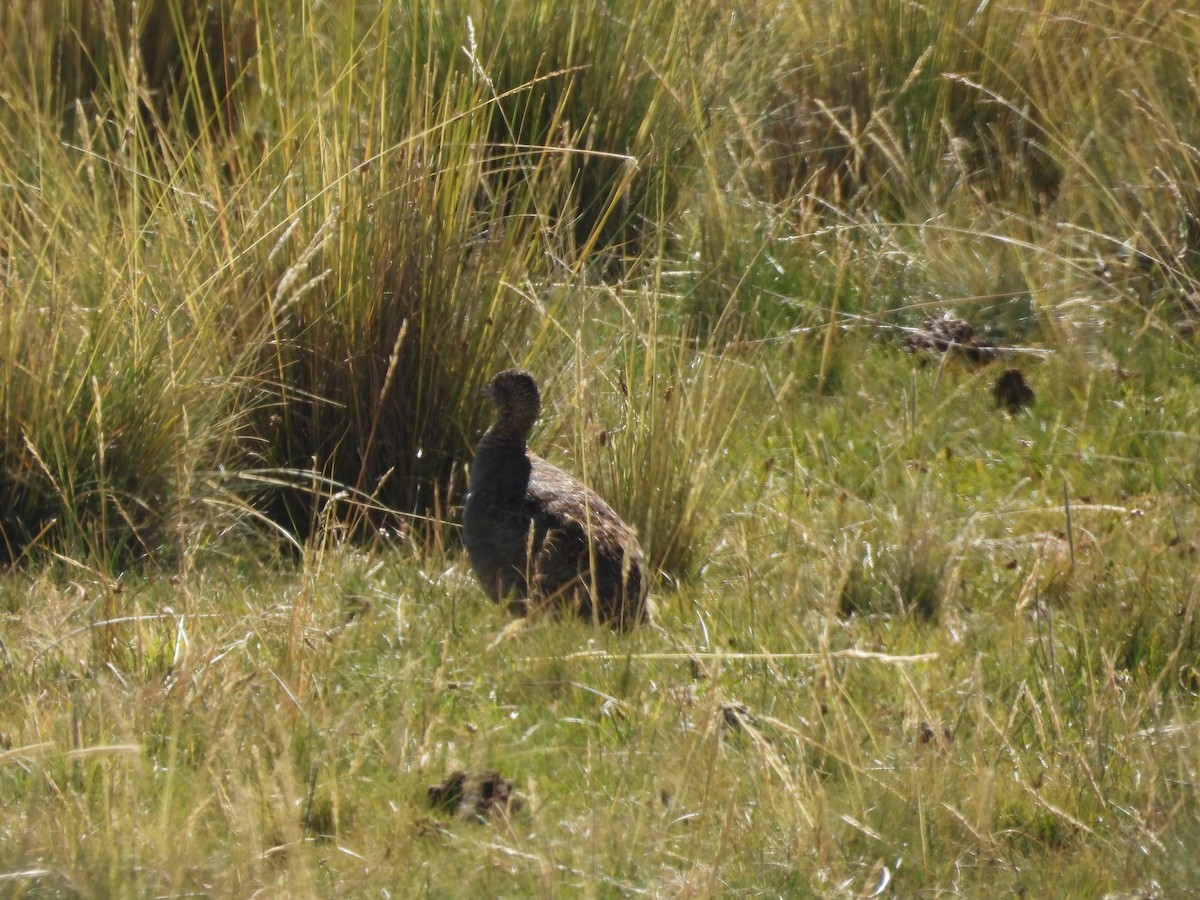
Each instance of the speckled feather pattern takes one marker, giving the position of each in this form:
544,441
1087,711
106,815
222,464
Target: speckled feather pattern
538,537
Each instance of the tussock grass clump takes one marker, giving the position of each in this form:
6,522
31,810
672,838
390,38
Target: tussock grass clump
113,394
597,146
954,143
253,309
179,61
605,141
875,104
376,332
664,454
651,415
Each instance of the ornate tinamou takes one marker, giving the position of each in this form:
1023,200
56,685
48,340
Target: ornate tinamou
538,537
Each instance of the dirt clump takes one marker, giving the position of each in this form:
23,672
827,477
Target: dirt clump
947,335
475,795
1012,391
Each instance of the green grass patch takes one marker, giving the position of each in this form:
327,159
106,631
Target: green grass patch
256,263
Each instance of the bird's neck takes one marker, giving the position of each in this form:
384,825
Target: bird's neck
498,442
501,450
509,431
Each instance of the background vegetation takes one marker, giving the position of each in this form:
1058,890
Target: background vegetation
255,264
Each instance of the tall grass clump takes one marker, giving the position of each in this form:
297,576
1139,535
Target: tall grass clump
478,159
676,456
186,61
653,417
880,103
953,147
366,200
114,396
1130,197
595,108
380,300
858,123
912,641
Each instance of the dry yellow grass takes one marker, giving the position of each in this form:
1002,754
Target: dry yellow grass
915,645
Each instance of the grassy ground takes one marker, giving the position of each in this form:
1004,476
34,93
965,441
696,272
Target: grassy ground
255,265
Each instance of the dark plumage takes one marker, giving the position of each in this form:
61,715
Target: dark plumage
535,535
1012,391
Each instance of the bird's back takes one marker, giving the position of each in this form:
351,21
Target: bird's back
586,552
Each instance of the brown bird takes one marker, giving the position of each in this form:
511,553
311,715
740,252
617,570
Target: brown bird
538,537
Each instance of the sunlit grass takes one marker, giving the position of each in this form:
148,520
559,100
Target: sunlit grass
911,644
